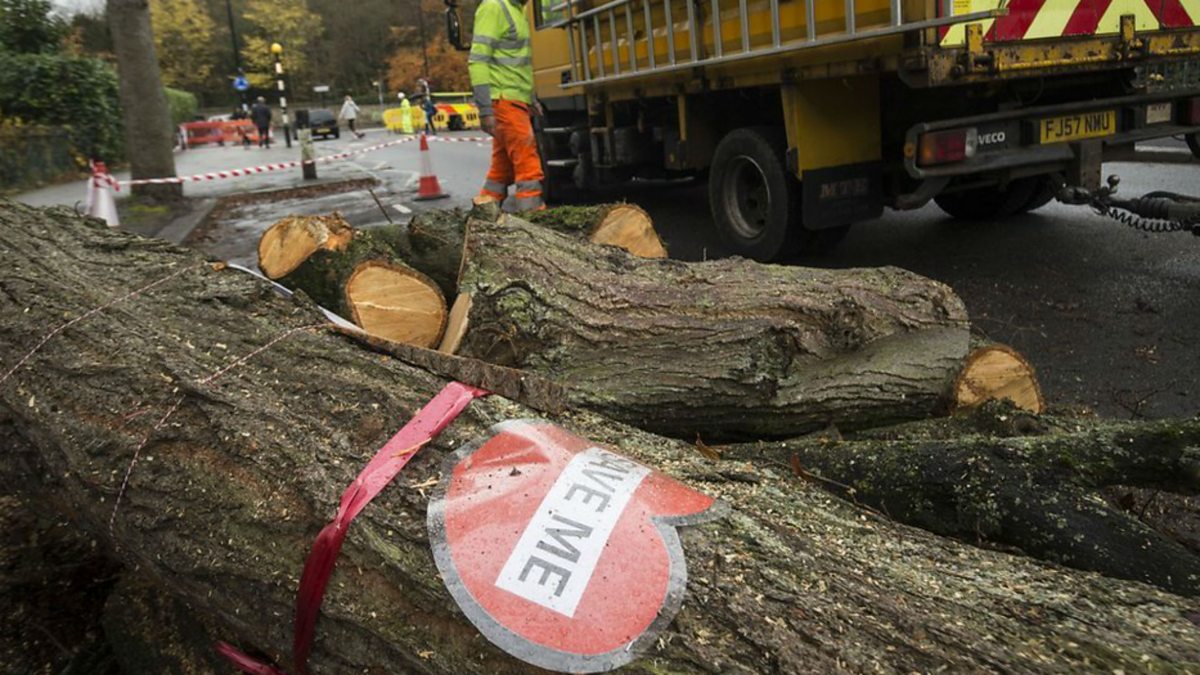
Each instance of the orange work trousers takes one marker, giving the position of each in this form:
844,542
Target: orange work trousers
514,158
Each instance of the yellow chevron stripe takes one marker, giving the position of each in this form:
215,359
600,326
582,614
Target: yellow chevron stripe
1111,21
1051,19
957,35
1192,7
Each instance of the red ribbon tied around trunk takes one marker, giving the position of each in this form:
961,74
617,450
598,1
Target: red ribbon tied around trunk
379,472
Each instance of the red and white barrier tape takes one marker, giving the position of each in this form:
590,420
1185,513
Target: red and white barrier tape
459,139
278,166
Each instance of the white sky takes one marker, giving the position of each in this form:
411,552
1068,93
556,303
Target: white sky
72,7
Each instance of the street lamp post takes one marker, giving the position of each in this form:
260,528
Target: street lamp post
424,41
277,50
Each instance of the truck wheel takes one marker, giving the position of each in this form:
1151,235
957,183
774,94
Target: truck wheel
990,203
1193,141
755,202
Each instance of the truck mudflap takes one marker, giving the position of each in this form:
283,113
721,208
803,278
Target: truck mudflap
1044,139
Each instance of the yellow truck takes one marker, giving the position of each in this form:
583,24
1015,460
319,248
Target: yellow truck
806,116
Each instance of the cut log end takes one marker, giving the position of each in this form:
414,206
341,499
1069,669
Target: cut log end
396,303
997,372
292,240
456,326
629,227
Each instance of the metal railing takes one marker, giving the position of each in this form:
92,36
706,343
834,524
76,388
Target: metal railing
593,32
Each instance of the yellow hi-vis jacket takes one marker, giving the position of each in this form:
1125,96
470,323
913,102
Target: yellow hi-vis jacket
501,63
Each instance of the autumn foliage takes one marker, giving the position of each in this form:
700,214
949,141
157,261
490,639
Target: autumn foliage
447,67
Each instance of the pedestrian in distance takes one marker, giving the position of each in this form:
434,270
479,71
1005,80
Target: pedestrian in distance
406,123
430,113
350,114
260,114
501,68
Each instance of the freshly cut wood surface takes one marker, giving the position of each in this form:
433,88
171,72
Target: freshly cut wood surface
397,303
456,326
365,282
625,226
230,492
997,372
290,241
629,227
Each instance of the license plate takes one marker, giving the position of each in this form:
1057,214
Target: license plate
1076,127
1157,113
324,130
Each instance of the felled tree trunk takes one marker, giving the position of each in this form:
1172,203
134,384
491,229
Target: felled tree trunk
720,349
231,488
1003,477
433,241
356,274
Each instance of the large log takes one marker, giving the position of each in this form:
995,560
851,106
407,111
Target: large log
1006,478
355,274
433,241
723,348
232,487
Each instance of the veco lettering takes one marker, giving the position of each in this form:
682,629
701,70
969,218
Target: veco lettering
555,557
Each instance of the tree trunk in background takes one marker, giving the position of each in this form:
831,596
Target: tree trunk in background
149,138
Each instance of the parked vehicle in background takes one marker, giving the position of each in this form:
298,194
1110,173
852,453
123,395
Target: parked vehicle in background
323,123
456,111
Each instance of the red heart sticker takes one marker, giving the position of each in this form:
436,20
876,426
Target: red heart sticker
561,552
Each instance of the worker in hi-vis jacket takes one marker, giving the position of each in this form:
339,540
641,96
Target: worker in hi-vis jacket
502,81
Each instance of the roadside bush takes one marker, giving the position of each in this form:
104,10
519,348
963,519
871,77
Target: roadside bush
31,154
183,105
68,91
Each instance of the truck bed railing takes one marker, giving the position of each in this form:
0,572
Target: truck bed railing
605,41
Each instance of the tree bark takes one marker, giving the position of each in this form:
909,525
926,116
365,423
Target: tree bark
1037,489
232,487
149,136
722,349
433,241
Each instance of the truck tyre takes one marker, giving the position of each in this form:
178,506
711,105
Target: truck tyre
1193,141
990,203
755,201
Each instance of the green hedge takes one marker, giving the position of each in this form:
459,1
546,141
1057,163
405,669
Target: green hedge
60,90
31,155
182,104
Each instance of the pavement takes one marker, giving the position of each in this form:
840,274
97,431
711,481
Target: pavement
1110,317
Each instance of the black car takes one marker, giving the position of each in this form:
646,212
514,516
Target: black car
324,123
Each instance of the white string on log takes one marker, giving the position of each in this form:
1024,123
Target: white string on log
92,312
236,363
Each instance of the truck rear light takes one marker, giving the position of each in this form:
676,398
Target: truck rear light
1193,112
945,147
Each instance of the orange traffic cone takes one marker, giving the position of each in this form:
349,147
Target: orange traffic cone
429,187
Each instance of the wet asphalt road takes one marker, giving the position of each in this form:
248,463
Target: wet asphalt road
1110,317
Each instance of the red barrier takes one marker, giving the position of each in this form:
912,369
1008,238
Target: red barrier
233,131
240,131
